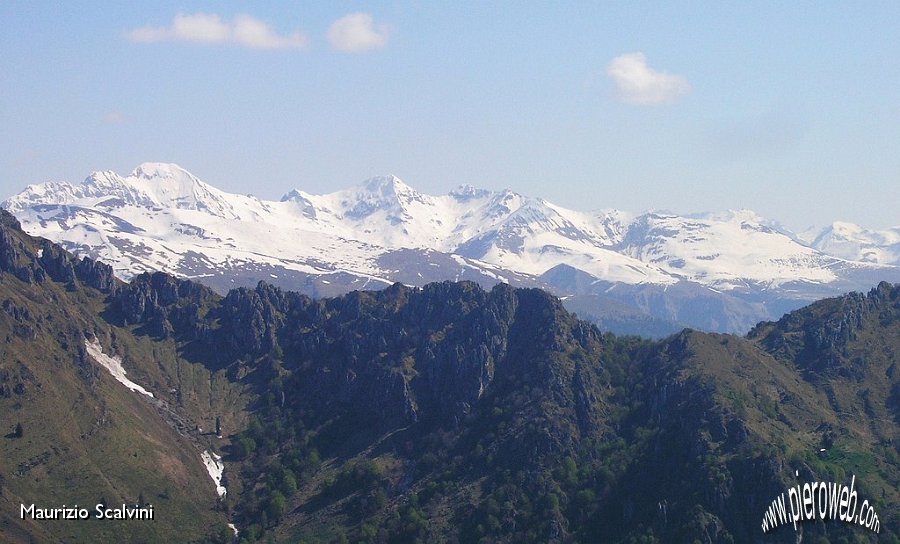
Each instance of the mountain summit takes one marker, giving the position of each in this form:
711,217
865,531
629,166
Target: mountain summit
853,242
150,185
717,271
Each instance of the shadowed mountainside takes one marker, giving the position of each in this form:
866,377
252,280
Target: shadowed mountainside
442,413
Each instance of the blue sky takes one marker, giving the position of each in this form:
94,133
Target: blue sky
790,109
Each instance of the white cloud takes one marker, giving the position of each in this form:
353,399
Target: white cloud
356,32
207,28
637,83
253,33
200,27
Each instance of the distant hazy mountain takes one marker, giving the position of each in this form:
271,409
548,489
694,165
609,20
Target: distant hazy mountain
721,271
855,243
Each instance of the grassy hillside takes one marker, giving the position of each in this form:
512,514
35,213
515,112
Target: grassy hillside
86,437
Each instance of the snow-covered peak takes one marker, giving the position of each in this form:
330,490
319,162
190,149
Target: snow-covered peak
160,170
612,214
294,195
465,193
104,179
386,186
503,203
732,216
725,250
96,188
170,186
150,185
383,193
163,217
60,192
302,200
848,230
853,242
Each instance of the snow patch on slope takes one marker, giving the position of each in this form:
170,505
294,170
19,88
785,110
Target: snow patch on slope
114,366
215,467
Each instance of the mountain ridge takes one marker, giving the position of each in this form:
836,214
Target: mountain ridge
161,217
442,413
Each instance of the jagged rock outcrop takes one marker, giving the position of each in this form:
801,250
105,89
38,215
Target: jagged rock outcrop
48,260
56,262
817,337
96,274
13,256
251,319
165,305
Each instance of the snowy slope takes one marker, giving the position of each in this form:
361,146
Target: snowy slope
114,366
852,242
725,250
161,217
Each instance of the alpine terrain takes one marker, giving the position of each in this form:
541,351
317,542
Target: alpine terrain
442,413
651,273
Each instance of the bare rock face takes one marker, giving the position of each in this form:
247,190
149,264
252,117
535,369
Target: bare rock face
165,305
48,260
818,337
96,274
56,262
14,258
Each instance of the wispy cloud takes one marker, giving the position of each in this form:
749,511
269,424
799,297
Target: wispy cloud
637,83
209,29
356,33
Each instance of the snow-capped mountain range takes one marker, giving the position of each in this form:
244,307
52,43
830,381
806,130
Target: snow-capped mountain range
161,217
854,243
